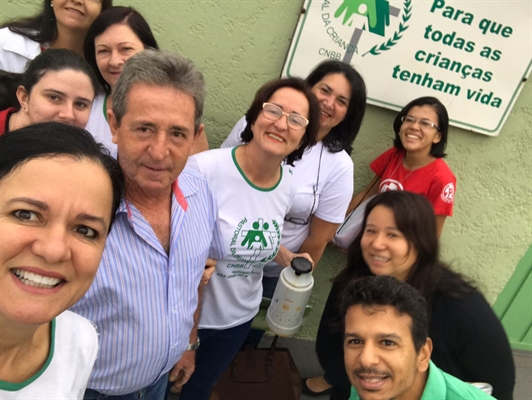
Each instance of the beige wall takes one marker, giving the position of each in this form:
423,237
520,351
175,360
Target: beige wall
240,44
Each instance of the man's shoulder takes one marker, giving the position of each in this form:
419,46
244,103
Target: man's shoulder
440,382
191,181
197,193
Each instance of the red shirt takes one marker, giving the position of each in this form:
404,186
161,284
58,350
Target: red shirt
4,119
435,181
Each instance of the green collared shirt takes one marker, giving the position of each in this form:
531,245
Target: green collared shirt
442,386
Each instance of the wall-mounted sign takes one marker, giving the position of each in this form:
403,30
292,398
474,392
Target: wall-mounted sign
473,55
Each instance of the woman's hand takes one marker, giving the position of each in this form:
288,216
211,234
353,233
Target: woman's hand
284,257
210,266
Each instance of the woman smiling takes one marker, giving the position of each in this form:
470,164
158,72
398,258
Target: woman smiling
62,24
253,194
58,85
398,239
59,197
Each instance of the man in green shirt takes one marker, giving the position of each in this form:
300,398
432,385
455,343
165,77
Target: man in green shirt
386,345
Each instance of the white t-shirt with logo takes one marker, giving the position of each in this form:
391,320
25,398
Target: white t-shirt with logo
324,187
73,351
250,223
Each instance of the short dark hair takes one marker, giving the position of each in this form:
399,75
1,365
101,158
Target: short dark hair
266,92
385,290
343,135
437,149
49,139
41,27
414,218
116,15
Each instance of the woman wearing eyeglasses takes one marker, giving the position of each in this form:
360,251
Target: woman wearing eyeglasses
60,24
253,193
324,175
415,163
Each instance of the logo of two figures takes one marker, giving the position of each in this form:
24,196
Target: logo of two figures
256,238
377,13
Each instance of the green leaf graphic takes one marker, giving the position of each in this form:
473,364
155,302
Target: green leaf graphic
407,13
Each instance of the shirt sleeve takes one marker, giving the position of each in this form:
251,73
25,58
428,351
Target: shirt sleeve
234,138
381,162
337,192
442,190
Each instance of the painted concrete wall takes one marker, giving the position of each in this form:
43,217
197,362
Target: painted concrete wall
240,44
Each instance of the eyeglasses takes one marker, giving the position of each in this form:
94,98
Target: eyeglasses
423,123
301,221
275,113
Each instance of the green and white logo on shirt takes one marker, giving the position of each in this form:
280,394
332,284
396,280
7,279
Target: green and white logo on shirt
255,242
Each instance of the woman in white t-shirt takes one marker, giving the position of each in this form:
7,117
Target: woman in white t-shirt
59,197
61,24
253,194
324,175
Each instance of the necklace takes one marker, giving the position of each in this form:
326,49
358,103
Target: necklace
397,166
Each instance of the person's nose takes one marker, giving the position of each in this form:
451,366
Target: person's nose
282,123
368,356
52,245
416,124
66,113
116,59
379,241
328,101
159,147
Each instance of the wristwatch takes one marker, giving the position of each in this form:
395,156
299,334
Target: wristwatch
194,346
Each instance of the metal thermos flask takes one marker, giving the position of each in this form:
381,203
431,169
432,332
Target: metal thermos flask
285,314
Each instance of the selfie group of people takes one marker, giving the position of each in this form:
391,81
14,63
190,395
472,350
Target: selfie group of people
134,259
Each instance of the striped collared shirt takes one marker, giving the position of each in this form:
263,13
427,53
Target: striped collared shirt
143,300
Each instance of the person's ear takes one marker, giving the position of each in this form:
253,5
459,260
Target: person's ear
23,98
113,125
423,357
199,141
199,132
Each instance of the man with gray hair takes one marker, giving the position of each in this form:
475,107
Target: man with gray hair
144,298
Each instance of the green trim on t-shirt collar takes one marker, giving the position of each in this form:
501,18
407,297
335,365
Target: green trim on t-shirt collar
105,107
13,387
233,153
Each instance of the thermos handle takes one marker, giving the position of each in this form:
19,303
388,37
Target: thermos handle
301,265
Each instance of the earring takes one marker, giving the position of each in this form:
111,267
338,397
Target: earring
51,4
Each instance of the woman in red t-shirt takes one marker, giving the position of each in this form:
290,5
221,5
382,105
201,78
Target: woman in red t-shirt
415,163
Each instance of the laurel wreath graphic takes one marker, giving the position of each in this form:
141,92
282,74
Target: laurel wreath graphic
375,50
278,232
